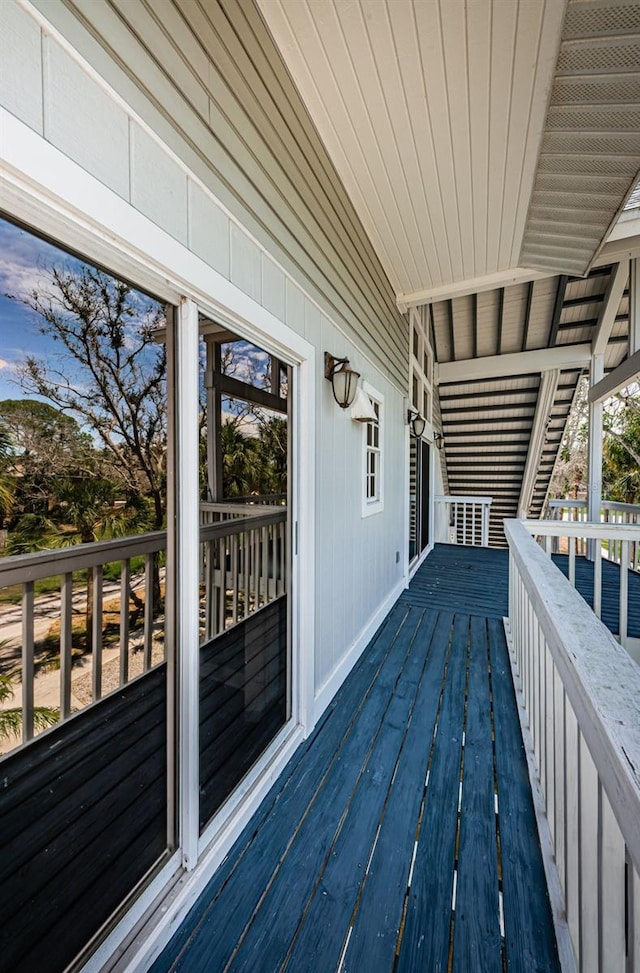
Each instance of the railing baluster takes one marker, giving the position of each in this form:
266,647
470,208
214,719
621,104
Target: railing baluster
624,590
235,578
207,567
590,854
612,878
256,569
27,660
66,647
148,611
597,581
264,582
559,775
283,558
96,633
222,559
571,879
572,561
246,557
125,584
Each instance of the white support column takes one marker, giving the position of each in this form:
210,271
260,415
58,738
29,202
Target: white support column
634,306
546,396
594,479
188,559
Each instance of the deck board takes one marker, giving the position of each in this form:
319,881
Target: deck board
477,941
322,875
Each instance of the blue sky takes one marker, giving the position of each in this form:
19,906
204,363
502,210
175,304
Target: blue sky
24,262
24,259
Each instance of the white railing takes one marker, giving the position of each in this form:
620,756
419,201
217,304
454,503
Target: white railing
581,697
84,635
575,538
244,561
611,512
467,519
80,622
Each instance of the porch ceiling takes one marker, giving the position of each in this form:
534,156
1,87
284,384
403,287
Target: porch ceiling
478,140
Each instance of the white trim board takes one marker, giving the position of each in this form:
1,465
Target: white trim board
331,685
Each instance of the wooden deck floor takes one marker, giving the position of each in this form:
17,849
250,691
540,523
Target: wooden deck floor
401,836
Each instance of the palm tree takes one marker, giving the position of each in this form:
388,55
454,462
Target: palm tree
84,509
7,484
11,718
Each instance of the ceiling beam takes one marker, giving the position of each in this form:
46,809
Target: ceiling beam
546,397
473,285
557,310
621,376
527,316
516,363
610,305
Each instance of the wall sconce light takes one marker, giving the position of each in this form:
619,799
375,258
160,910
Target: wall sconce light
438,440
417,423
344,381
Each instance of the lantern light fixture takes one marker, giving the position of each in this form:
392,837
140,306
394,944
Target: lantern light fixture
344,380
438,440
417,422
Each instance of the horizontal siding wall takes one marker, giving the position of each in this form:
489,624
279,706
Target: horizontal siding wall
209,81
312,267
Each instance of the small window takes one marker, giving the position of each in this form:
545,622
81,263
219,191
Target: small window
415,391
416,344
427,365
372,440
426,411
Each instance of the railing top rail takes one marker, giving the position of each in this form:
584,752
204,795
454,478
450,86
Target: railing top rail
583,528
461,499
210,532
627,508
20,568
240,509
631,508
600,678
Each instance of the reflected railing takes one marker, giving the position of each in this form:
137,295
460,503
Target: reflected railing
78,623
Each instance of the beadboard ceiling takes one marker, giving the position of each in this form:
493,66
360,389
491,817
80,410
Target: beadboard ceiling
482,142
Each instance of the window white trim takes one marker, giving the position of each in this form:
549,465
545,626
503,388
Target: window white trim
372,477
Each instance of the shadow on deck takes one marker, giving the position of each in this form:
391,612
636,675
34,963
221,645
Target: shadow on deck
401,835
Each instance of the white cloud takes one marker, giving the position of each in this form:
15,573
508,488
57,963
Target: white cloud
3,363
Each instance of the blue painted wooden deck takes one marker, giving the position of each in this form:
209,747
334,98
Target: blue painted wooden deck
610,591
401,836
